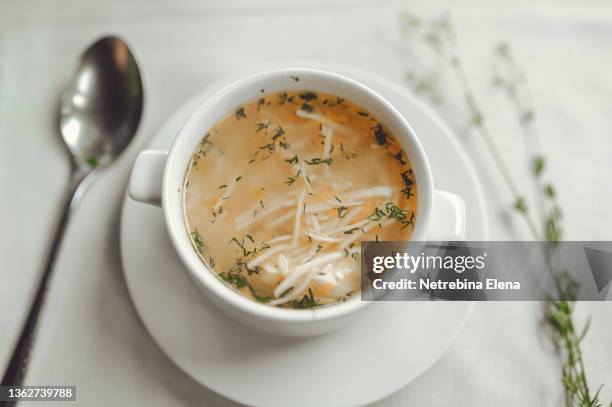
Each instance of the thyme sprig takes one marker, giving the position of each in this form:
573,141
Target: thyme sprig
439,36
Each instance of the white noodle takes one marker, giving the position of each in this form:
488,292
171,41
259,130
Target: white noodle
329,225
364,230
228,191
278,239
331,204
296,291
269,268
306,178
380,191
320,119
309,255
253,215
301,269
341,186
267,253
313,221
348,227
298,217
323,238
352,214
283,264
281,219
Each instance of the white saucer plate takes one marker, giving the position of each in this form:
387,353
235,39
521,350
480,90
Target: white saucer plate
389,347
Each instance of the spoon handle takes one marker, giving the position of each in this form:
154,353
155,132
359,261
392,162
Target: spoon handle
15,372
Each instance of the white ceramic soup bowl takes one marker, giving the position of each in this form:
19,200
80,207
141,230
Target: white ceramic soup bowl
157,179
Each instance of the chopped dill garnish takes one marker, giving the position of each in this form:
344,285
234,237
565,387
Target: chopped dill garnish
392,211
197,240
203,147
350,231
211,262
317,161
258,297
239,178
381,136
307,301
92,161
342,210
240,244
377,215
261,203
345,297
293,160
337,102
395,212
261,126
337,199
234,279
223,186
400,158
240,114
219,212
241,265
406,179
291,180
308,108
295,78
308,96
279,132
282,98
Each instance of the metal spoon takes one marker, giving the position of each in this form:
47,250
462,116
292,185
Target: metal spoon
99,114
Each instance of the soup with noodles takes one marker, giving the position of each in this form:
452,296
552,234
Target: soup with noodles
281,191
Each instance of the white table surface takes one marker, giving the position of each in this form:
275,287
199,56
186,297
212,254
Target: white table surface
91,336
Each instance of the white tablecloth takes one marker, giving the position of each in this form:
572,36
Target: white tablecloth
91,336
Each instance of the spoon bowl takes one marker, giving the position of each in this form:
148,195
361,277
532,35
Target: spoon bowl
101,108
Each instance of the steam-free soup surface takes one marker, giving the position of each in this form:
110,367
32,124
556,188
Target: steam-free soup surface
282,190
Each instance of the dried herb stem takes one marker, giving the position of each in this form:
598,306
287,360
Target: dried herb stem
559,315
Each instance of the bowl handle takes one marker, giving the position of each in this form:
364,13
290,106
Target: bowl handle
146,179
447,217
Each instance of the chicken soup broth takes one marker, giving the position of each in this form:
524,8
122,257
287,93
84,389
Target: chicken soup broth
281,191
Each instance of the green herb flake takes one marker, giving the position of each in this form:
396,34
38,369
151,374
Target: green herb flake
282,98
197,240
317,161
92,161
234,279
240,114
308,301
293,160
308,108
261,126
308,96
